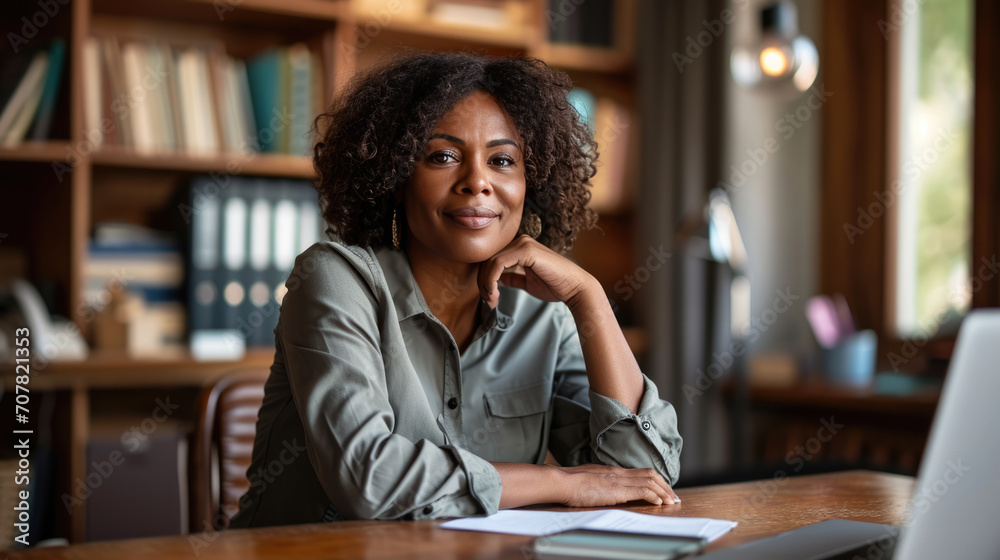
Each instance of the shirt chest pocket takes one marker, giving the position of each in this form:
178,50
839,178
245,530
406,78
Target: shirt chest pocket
517,420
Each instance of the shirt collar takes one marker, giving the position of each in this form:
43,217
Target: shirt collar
409,301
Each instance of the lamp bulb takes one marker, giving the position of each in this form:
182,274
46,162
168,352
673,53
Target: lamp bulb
773,61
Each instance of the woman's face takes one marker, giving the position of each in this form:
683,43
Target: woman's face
466,194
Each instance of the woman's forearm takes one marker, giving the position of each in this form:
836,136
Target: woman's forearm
611,366
525,484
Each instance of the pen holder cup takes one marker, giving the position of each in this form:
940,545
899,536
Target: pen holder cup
852,361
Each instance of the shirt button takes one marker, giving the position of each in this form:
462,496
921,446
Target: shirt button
646,425
453,403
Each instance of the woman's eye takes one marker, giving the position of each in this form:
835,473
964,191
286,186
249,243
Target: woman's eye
503,161
441,157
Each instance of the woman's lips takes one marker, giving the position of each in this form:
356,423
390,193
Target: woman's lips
472,217
472,222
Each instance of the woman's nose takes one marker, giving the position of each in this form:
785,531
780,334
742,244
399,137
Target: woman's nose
475,180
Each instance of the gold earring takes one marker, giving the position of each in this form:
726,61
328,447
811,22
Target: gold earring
395,231
533,225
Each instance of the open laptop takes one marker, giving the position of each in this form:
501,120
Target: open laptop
955,508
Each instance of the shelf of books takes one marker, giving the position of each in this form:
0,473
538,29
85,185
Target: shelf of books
169,139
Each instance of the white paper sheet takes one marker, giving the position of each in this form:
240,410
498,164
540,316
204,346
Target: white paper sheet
540,523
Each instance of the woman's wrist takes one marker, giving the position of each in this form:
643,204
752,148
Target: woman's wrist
528,484
588,299
592,312
556,483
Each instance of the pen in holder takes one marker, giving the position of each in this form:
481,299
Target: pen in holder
851,361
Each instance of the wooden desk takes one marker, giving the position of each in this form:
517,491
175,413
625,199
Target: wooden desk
762,508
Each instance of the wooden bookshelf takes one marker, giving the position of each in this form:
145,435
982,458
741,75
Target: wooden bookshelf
273,165
360,34
587,59
51,221
424,30
110,370
52,150
880,430
269,13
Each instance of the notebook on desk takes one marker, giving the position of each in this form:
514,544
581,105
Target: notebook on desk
956,505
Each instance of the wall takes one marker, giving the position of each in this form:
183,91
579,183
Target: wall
777,207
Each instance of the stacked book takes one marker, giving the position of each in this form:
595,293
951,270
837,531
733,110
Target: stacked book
497,14
148,266
286,88
152,97
29,84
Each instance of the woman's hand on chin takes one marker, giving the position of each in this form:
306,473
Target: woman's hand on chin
527,264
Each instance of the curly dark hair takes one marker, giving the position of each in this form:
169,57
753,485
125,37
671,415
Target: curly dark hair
372,135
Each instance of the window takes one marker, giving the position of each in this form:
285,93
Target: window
933,222
929,241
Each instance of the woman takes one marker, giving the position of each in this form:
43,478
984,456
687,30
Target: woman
432,352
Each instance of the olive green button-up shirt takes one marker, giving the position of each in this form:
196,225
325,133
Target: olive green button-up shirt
395,423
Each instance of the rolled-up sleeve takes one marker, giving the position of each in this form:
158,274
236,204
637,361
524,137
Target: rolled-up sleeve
331,341
588,427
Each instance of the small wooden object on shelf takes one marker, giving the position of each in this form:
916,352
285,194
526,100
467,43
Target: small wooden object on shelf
111,324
